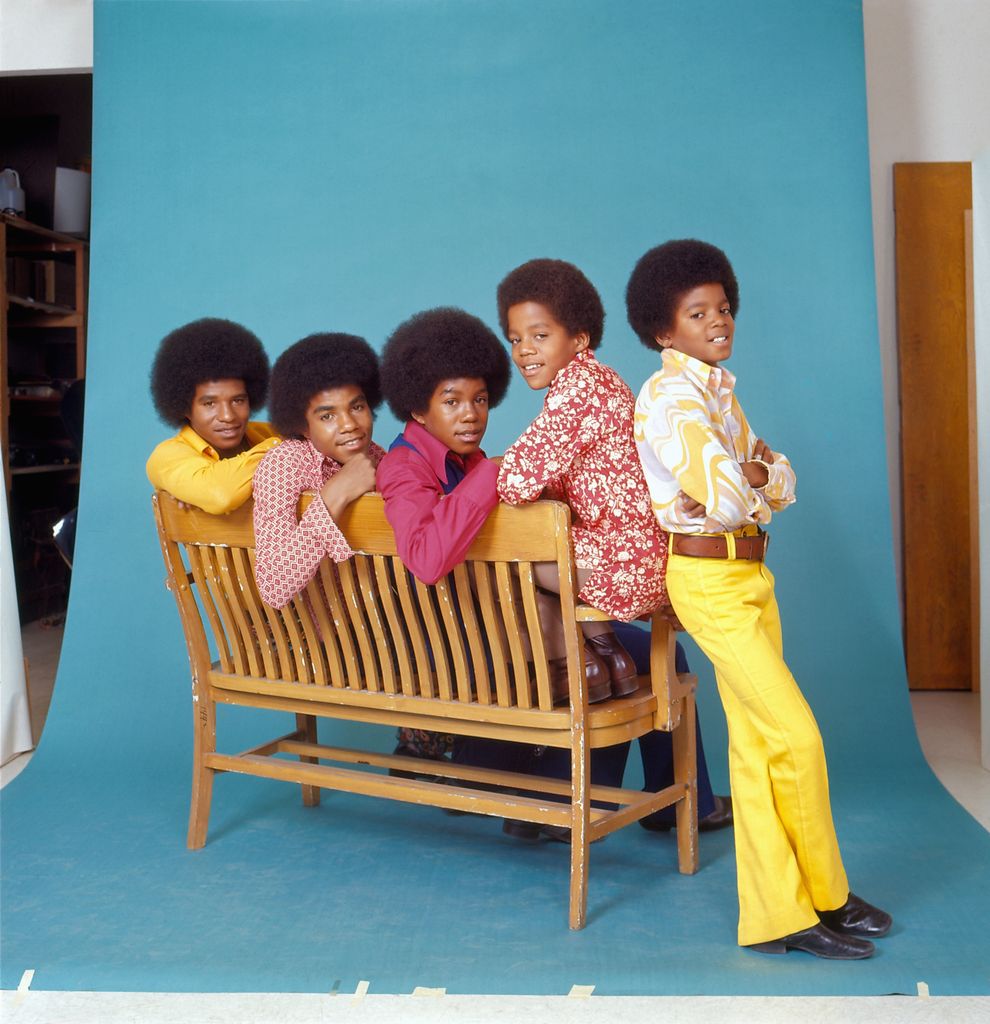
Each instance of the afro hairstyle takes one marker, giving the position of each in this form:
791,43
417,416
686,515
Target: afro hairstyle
207,349
320,362
665,274
562,289
437,345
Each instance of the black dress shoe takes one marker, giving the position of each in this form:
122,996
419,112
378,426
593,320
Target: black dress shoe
533,831
821,942
857,917
721,817
618,661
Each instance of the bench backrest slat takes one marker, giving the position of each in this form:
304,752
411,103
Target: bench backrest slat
514,628
324,598
229,584
426,607
475,647
367,624
218,615
412,630
494,632
244,568
279,652
530,597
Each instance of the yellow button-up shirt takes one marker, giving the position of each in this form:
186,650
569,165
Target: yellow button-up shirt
192,470
692,435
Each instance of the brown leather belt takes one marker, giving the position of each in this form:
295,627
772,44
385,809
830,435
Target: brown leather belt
751,549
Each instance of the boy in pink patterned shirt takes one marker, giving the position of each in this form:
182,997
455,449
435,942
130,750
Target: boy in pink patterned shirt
323,393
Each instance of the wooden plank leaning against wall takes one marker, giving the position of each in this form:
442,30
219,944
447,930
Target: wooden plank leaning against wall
932,216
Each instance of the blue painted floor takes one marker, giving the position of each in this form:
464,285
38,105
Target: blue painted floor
100,893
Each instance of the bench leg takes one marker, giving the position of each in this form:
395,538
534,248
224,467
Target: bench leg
686,771
580,812
204,742
579,877
306,724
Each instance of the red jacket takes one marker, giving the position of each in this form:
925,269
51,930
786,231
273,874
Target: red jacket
434,517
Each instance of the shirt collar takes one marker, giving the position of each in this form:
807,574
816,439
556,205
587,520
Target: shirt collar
708,378
193,439
315,455
436,452
585,356
255,432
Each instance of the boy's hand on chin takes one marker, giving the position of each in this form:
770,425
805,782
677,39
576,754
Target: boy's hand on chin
359,473
356,477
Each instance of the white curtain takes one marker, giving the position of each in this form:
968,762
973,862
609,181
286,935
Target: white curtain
15,719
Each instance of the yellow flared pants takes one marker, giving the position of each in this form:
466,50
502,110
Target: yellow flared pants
787,857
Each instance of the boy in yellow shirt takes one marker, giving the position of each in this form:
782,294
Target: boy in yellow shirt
713,485
207,377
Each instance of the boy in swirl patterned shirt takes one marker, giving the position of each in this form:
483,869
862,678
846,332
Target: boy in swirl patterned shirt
713,485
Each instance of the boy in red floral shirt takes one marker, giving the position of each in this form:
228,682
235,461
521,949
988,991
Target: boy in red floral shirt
580,449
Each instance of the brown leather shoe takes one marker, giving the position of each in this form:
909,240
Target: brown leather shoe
595,672
621,667
721,817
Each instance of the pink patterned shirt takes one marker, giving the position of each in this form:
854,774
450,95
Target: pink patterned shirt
581,449
288,551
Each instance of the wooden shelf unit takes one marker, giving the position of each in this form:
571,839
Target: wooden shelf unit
43,288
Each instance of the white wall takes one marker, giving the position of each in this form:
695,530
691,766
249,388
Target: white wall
38,36
928,99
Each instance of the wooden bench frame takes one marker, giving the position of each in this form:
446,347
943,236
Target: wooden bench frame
366,642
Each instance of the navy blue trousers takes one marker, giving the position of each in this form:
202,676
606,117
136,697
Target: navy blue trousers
608,764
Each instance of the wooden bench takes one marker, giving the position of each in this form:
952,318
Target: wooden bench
367,642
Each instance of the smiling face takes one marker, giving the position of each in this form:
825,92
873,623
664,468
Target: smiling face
219,414
703,325
541,345
457,414
339,422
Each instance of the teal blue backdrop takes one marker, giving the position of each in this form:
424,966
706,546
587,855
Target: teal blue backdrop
335,165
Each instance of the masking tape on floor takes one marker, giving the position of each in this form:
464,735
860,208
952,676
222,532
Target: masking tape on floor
419,990
22,988
361,990
580,991
923,989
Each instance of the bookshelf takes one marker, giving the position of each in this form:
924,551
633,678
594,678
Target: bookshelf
43,288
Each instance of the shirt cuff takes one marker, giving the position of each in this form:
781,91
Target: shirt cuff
318,521
777,486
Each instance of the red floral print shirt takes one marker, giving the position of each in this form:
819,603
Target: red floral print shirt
581,449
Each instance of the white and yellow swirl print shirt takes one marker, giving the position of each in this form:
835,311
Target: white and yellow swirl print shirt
691,435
